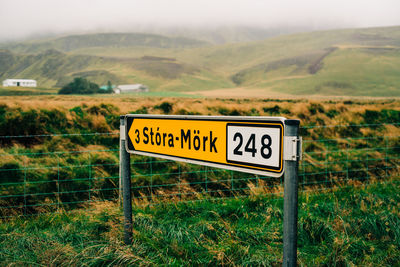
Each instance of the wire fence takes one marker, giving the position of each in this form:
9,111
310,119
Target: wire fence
42,179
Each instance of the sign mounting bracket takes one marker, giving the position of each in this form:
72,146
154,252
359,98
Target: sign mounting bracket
292,148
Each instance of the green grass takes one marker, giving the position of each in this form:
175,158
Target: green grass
156,94
48,166
19,91
347,226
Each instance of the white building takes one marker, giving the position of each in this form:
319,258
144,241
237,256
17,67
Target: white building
19,82
130,88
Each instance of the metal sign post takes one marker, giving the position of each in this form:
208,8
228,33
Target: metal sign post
125,180
259,145
292,155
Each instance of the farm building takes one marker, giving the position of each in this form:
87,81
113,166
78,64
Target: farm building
19,82
130,88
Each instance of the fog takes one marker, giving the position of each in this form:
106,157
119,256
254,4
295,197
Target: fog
27,19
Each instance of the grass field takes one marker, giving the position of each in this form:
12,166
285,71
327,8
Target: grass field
345,226
355,222
21,91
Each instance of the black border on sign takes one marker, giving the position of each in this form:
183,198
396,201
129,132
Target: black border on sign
131,149
129,121
270,168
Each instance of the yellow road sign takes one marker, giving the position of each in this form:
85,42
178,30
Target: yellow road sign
248,144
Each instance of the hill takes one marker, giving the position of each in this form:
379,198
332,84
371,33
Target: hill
352,62
117,40
225,34
53,68
345,62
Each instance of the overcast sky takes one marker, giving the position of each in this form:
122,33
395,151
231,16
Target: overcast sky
24,18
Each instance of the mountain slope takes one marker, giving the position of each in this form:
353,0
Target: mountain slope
342,62
364,62
53,68
75,42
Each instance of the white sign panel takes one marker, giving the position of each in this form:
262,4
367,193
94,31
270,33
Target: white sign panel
253,145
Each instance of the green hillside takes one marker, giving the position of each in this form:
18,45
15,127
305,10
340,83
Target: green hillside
53,68
75,42
354,62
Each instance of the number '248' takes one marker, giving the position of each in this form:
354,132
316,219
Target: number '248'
250,146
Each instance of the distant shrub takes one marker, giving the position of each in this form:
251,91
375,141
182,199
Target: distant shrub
96,110
253,112
302,116
78,111
183,111
371,117
384,116
320,121
350,131
102,109
332,113
275,110
142,110
234,112
80,86
314,108
223,111
109,107
166,107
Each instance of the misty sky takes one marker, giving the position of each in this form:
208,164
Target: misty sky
25,18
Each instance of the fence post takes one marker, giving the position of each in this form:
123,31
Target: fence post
90,177
386,157
25,203
58,183
121,129
125,178
291,195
